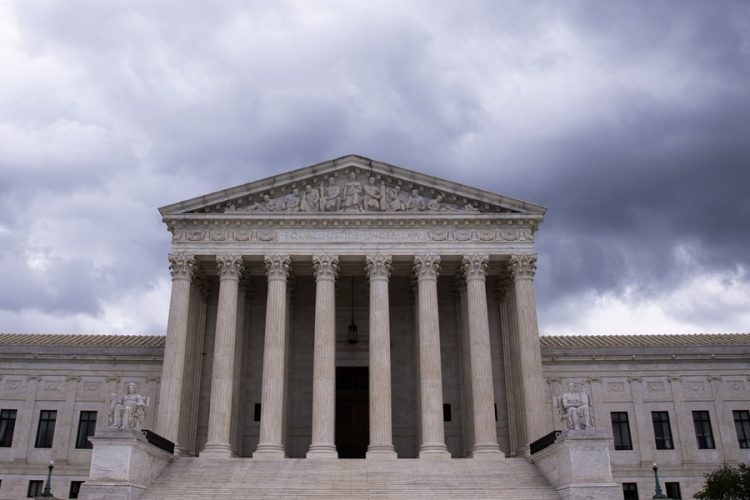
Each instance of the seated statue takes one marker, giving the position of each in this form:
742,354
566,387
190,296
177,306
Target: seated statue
576,408
127,411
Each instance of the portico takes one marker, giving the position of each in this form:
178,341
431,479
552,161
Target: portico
267,276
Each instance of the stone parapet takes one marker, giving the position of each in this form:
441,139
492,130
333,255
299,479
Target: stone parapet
123,465
578,465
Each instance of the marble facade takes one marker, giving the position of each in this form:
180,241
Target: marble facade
439,280
371,226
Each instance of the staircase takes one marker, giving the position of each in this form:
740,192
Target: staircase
245,478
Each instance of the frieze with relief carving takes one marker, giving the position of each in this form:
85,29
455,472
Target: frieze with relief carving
517,234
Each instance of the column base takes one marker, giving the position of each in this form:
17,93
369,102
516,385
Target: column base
434,450
322,451
216,450
378,451
480,450
270,452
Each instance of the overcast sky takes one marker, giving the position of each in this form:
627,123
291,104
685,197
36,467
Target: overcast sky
630,121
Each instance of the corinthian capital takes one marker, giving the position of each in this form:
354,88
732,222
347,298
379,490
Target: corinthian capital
426,266
230,266
522,266
325,267
182,266
277,266
475,266
378,266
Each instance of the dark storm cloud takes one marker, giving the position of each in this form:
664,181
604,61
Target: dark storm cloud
628,120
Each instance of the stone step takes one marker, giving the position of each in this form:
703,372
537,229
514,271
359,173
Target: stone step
244,478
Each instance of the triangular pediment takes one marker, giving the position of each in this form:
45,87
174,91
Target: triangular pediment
351,185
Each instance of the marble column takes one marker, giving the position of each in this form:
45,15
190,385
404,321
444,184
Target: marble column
507,335
522,269
222,380
324,359
182,267
483,394
193,366
270,443
378,270
462,327
426,269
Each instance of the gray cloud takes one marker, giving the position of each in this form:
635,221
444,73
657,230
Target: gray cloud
627,119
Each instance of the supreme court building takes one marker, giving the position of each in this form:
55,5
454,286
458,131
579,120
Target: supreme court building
348,306
358,310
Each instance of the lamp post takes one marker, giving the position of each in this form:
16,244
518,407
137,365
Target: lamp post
657,490
48,487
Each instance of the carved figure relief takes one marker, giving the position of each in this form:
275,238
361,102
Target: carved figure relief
127,411
352,195
574,408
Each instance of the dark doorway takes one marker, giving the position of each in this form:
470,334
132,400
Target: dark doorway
352,411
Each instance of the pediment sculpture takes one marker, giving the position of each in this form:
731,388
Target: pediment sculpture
353,194
127,411
574,408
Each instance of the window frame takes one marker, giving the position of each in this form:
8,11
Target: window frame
45,430
704,434
7,427
634,490
663,438
672,484
86,428
74,492
742,427
38,488
617,431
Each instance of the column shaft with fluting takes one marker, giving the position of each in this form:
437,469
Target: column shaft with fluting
182,267
222,378
523,268
426,269
324,359
270,443
483,394
378,269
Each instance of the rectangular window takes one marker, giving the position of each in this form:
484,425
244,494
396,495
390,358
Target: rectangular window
75,489
256,413
495,412
46,430
35,488
703,433
447,417
7,426
621,430
742,424
673,490
630,491
662,430
86,428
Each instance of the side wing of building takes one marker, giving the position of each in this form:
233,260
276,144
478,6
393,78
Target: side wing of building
680,401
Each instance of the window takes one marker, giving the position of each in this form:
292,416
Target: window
35,489
621,430
673,490
630,491
75,489
447,417
256,413
703,432
662,430
742,424
86,428
46,430
7,426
